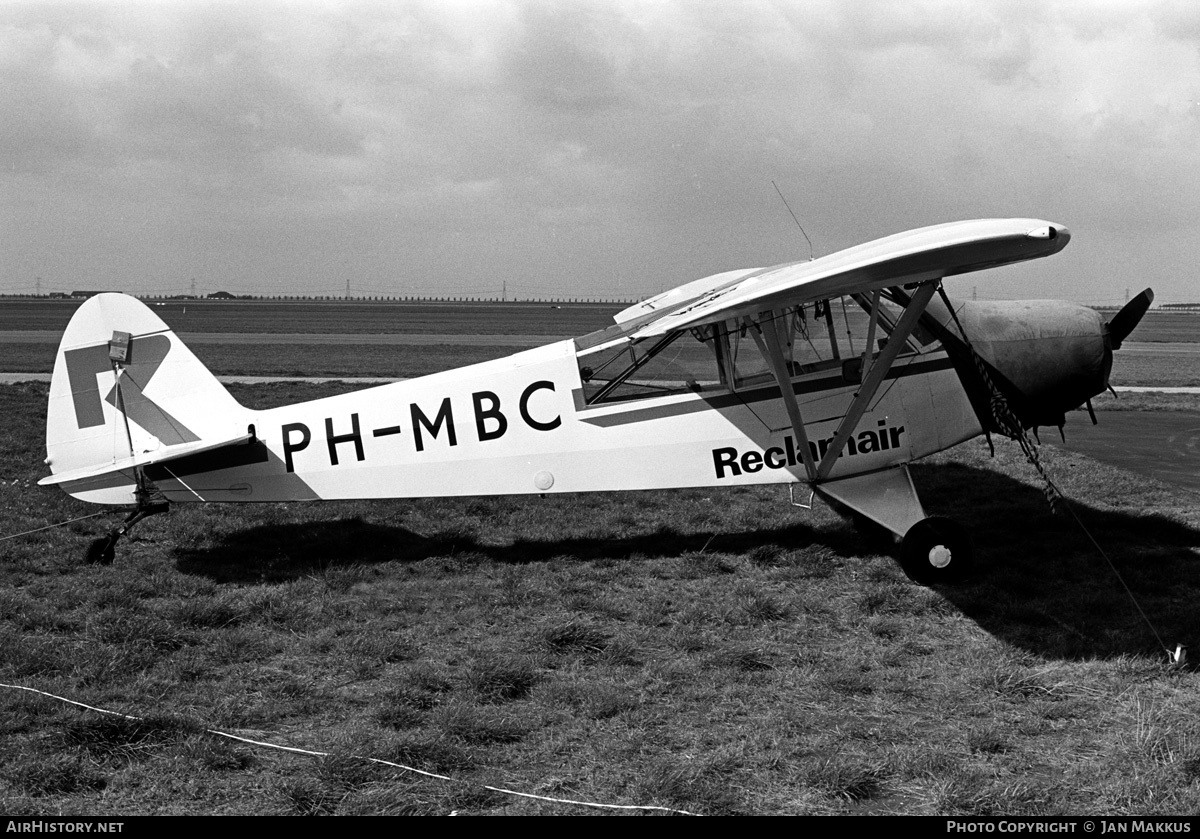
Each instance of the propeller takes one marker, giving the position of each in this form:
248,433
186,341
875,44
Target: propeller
1128,318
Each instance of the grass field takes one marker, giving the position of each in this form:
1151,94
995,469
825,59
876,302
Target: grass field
344,359
357,318
408,361
716,652
713,651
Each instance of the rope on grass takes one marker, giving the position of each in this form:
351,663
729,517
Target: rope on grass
380,761
1070,508
1009,424
51,526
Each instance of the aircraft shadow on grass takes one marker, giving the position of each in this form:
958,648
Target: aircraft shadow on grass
1044,587
277,553
1039,583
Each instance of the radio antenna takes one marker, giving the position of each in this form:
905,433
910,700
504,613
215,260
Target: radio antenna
793,215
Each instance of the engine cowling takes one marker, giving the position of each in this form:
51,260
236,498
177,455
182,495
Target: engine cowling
1046,357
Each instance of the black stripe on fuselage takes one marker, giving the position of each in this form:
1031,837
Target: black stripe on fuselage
227,457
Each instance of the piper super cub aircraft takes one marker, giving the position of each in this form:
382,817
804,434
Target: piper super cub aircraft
745,377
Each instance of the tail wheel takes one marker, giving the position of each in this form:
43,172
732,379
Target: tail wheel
102,551
936,550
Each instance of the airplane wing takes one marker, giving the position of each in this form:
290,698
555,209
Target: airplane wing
917,260
928,253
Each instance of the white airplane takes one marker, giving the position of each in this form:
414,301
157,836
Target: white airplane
745,377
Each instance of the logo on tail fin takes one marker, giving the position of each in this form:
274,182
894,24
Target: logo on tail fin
146,355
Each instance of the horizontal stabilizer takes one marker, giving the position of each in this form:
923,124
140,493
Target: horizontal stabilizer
160,456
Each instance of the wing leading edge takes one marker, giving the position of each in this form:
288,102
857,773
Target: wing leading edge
927,253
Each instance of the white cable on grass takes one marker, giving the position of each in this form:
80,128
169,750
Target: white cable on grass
380,761
50,526
1009,424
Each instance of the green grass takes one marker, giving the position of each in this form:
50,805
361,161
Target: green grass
353,318
715,651
1156,369
1146,401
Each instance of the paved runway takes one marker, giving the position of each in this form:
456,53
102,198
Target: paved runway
1159,444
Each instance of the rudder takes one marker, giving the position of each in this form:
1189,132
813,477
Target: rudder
125,385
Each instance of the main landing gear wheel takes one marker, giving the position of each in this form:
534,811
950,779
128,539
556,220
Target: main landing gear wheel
936,550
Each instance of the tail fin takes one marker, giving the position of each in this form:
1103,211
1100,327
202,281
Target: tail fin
126,391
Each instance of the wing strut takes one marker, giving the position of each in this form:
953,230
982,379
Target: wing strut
779,368
866,358
879,370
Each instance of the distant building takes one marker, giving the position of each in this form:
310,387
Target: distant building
81,295
222,295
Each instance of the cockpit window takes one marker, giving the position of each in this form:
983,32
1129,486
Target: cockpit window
891,305
675,363
735,354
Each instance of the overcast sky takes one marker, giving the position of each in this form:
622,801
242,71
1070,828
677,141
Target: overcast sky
587,148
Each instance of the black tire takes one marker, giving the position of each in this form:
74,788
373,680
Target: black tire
101,551
936,550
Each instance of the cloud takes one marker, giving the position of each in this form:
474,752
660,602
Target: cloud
572,147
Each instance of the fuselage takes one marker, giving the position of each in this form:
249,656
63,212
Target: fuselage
690,409
522,425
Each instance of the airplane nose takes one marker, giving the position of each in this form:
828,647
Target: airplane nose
1047,357
1054,354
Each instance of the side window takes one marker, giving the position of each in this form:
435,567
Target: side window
809,336
741,346
680,362
750,364
813,336
891,307
735,354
